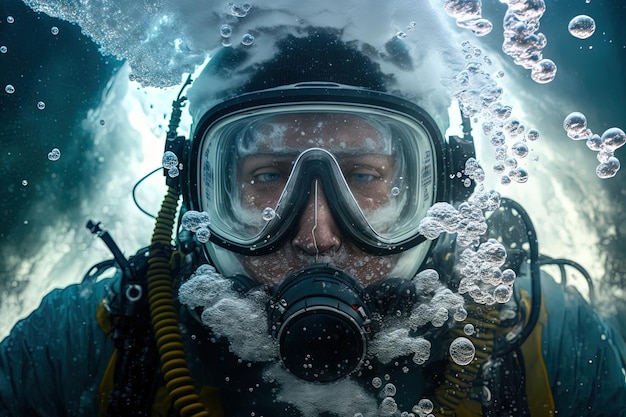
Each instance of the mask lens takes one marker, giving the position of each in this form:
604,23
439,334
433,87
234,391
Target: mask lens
257,166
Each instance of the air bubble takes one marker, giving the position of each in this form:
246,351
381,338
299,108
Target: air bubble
401,35
462,351
609,168
3,49
54,154
468,329
388,407
395,191
582,26
247,39
543,71
268,214
41,105
377,382
389,390
24,183
226,31
575,124
9,89
54,30
10,19
203,234
613,138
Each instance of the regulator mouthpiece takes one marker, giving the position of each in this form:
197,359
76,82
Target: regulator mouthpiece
321,318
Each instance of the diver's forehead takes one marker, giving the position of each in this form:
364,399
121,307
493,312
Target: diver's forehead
331,131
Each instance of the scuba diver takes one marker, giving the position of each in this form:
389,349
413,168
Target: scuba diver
304,278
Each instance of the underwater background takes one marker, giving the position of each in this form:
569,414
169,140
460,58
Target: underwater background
110,132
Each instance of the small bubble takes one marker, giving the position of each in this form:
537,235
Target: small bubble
499,74
505,180
173,172
41,105
102,122
3,49
54,154
268,214
613,138
226,31
609,168
423,407
24,183
169,160
10,19
377,382
508,277
462,351
389,390
468,329
401,35
9,89
520,149
247,39
502,293
582,26
54,30
543,71
532,134
395,191
203,234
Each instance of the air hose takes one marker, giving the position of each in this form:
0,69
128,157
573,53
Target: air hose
164,315
460,380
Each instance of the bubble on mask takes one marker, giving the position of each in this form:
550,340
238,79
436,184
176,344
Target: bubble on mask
582,26
9,89
462,351
268,214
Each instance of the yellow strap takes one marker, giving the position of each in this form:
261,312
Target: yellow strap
538,391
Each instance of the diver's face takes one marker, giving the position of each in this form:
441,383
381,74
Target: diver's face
318,238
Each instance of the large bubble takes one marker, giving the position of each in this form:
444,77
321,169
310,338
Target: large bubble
462,351
582,26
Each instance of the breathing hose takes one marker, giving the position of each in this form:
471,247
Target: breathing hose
164,314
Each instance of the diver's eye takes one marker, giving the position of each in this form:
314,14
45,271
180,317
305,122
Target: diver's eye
267,177
363,177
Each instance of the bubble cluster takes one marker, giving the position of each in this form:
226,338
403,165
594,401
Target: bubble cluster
462,351
522,42
468,221
238,9
575,125
170,162
479,95
582,26
481,276
389,344
242,319
198,223
54,154
468,15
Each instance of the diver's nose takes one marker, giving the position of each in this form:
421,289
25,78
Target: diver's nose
317,231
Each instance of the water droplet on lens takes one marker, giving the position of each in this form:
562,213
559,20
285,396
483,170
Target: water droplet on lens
9,89
41,105
462,351
519,149
532,134
575,124
582,26
268,214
